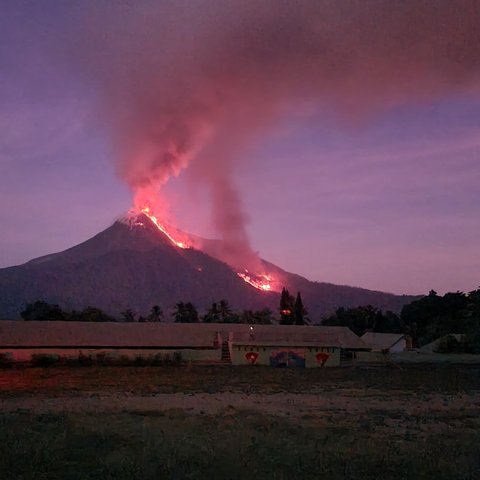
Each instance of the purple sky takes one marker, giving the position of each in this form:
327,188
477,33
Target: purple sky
390,203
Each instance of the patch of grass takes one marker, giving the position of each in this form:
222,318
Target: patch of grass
43,360
6,360
244,446
385,441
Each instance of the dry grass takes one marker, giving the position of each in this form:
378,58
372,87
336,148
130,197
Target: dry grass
410,423
240,445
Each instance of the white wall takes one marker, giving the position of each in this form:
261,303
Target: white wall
239,352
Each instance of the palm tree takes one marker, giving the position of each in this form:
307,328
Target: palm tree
179,313
155,315
128,315
191,313
224,311
185,313
212,315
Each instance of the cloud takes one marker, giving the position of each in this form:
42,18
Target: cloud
195,83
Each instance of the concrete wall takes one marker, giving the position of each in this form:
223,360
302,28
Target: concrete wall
188,355
261,355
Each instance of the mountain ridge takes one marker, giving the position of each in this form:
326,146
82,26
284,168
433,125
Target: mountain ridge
132,264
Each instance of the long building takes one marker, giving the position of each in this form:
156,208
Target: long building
239,344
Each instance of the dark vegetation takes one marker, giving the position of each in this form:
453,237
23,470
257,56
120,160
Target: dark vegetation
425,320
435,316
292,310
41,310
384,442
183,312
6,360
104,360
240,445
366,319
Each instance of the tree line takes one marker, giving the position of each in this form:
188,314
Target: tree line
291,312
425,320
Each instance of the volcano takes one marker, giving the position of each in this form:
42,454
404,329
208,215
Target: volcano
134,264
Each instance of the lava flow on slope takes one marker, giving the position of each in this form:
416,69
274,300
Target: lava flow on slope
261,281
147,211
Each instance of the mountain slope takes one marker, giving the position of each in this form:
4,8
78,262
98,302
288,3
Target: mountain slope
134,265
322,297
122,267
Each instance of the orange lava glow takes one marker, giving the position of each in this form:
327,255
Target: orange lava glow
146,210
260,282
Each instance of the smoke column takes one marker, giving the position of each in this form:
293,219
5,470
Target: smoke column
191,83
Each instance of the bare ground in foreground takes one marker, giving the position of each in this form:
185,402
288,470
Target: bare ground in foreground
227,422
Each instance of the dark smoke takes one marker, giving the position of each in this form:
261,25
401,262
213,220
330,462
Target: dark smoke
192,82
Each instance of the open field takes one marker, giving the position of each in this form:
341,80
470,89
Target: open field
224,422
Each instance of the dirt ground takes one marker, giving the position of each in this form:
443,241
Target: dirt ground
350,401
409,422
74,381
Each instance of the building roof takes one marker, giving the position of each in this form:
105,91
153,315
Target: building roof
102,334
381,341
341,337
282,344
120,334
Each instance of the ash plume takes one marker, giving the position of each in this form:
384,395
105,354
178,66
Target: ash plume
192,83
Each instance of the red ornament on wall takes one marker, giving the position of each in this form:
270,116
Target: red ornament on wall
251,357
322,358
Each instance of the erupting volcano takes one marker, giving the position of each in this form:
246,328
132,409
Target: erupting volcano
207,93
140,261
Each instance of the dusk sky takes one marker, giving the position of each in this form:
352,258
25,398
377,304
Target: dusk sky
349,182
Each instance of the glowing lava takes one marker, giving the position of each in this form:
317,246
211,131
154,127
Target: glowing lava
146,210
260,282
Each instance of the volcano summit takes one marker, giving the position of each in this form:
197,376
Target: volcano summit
135,264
